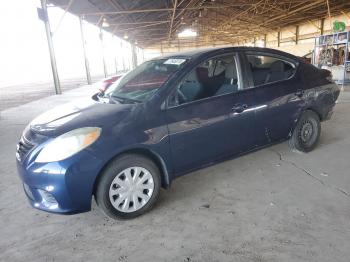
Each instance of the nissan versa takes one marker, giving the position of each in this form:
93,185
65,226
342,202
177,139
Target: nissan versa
165,118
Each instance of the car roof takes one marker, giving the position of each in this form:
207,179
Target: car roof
208,51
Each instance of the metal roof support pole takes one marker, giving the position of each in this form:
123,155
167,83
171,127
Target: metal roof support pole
87,67
115,56
279,38
122,51
265,39
133,56
51,50
116,64
322,26
297,34
103,53
172,20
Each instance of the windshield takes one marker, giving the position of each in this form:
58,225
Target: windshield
142,82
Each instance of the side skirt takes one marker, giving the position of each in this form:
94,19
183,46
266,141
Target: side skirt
226,158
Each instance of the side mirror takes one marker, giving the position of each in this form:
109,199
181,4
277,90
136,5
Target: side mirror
100,93
96,96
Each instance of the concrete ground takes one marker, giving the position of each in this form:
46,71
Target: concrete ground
16,95
271,205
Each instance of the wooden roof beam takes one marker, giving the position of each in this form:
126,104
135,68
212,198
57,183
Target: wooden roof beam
142,26
135,11
142,22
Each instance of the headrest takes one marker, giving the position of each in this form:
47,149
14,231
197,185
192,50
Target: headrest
202,73
192,76
220,68
277,66
216,68
231,71
254,61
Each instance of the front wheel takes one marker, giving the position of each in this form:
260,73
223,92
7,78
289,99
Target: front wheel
129,186
306,133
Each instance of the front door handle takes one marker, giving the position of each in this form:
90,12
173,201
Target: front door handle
239,108
299,93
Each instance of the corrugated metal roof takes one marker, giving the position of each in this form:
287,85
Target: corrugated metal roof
150,22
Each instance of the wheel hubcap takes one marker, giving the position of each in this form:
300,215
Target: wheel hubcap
131,189
306,132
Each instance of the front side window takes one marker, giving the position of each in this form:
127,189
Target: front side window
142,82
214,77
267,69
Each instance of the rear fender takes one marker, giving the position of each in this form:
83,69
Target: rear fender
320,100
299,116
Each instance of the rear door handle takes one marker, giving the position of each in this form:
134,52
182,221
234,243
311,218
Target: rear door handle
299,93
239,108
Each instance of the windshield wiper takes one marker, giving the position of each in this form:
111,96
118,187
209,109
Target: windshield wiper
123,99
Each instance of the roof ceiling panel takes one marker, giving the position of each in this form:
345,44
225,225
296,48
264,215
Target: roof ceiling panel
153,21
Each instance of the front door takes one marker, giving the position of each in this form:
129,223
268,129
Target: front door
208,116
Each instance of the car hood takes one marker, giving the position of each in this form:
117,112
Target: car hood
80,113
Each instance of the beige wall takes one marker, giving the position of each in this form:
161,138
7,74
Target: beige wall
298,50
307,32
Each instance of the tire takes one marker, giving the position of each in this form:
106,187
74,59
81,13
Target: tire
306,133
131,177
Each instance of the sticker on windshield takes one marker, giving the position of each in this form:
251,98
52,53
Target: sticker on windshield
174,61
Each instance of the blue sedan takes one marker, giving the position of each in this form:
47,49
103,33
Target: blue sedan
167,117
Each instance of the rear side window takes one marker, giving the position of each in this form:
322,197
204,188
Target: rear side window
268,69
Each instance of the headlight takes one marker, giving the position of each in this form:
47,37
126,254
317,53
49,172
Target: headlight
68,144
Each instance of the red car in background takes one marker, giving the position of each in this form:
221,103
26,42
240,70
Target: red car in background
103,84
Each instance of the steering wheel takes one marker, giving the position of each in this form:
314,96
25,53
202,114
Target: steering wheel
180,98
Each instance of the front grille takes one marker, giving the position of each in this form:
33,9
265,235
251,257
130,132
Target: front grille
23,147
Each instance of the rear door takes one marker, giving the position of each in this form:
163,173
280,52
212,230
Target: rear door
208,117
278,95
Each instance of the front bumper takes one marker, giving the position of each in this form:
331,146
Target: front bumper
60,187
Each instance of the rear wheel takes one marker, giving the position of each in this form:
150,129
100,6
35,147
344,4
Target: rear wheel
306,133
129,186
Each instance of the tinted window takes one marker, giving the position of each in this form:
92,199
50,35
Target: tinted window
267,69
214,77
142,82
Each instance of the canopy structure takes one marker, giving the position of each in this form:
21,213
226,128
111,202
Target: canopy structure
156,24
151,22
